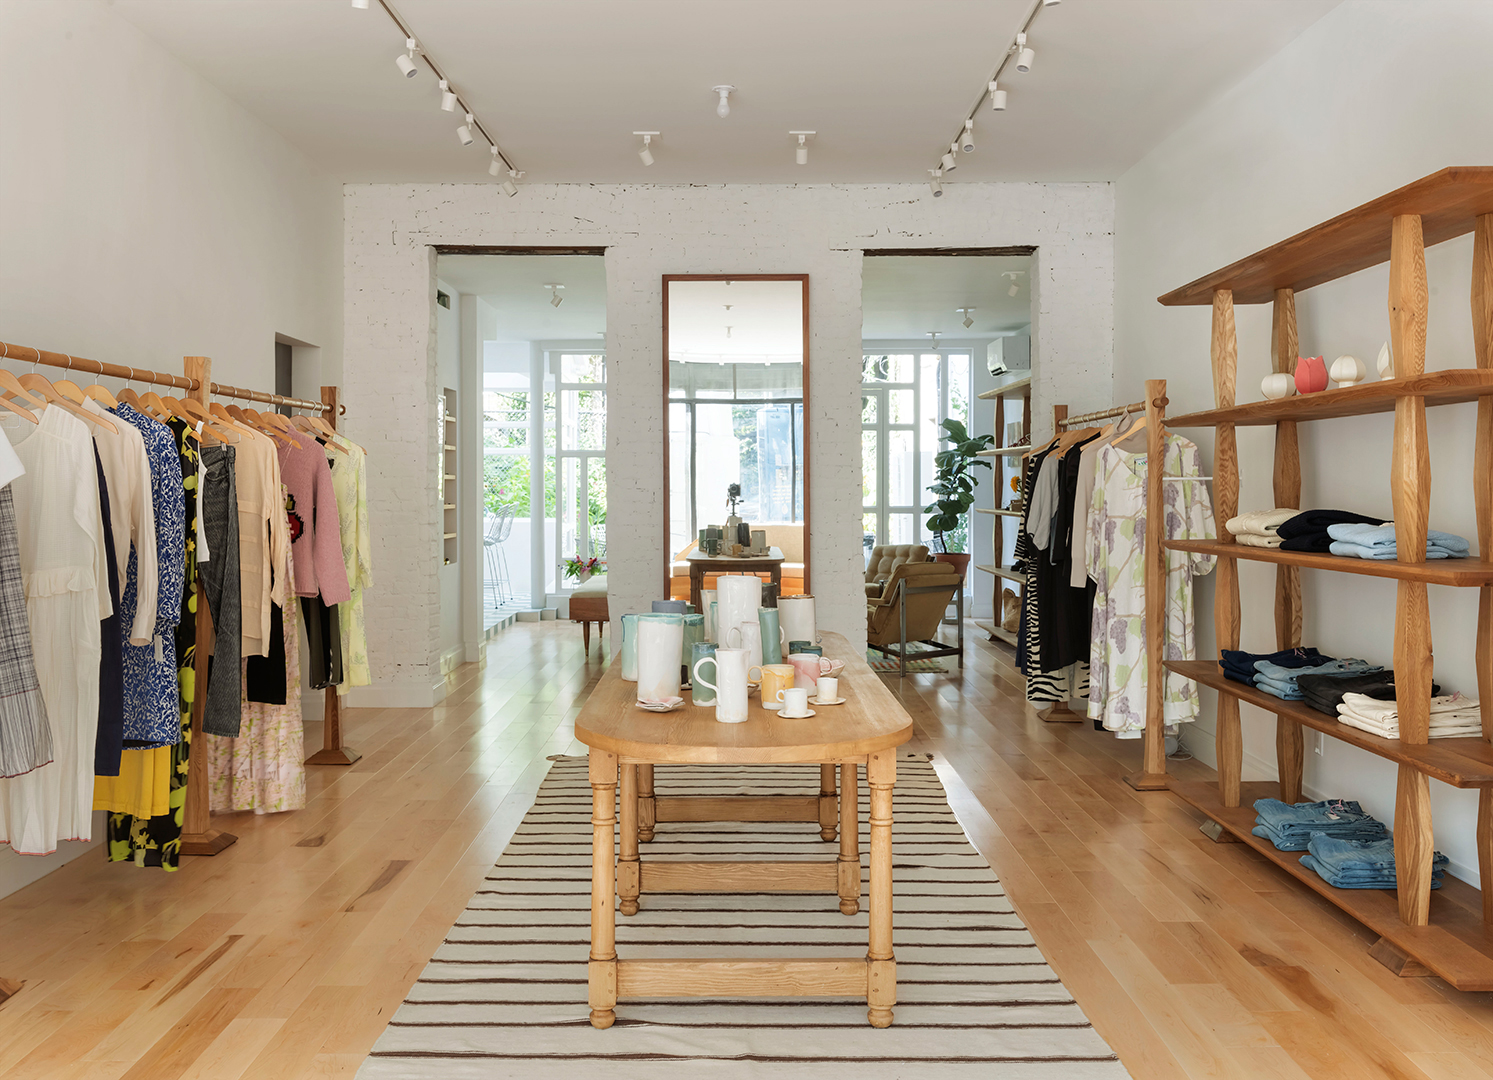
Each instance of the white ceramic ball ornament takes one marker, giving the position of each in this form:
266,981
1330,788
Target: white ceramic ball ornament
1385,364
1277,385
1347,370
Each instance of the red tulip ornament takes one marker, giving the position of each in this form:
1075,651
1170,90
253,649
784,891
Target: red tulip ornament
1311,374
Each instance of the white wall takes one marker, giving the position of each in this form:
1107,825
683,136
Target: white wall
650,231
145,217
1350,110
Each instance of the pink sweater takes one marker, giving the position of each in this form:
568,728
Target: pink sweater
315,535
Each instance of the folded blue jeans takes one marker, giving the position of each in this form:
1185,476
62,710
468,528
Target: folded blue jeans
1331,816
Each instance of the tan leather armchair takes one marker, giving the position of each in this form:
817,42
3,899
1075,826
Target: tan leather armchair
885,558
910,610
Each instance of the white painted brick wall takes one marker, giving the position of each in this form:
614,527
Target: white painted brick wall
649,232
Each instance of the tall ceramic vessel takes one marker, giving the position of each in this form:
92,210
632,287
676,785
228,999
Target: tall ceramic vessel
796,617
737,597
730,684
630,648
747,635
660,646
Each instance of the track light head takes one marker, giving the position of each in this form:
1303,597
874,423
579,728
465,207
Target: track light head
1024,54
723,107
509,187
968,318
361,5
933,184
464,133
967,144
949,163
495,168
1051,3
448,97
405,61
997,97
801,154
645,154
555,298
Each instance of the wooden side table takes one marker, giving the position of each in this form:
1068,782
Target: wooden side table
701,564
867,729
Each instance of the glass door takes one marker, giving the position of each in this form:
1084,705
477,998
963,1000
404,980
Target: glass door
580,449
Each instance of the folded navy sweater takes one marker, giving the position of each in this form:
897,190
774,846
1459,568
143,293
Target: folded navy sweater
1307,531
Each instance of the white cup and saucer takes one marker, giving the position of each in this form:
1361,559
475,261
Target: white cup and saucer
828,692
795,701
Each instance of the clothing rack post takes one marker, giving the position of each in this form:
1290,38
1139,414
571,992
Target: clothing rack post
1060,713
332,751
198,837
1152,776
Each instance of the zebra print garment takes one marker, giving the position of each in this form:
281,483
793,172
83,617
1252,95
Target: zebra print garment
1063,683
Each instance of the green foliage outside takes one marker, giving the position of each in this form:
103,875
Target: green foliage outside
954,485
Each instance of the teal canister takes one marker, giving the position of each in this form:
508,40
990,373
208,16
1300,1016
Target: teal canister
772,637
702,694
630,648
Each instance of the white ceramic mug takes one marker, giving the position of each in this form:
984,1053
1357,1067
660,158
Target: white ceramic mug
827,688
730,686
807,668
795,702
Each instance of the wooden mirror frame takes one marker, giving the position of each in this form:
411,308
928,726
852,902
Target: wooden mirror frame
802,279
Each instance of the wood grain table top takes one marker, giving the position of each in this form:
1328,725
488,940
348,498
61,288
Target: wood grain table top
870,720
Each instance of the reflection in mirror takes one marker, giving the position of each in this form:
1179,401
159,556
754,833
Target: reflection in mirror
737,372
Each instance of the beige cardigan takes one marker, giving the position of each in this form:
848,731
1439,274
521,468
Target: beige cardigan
263,538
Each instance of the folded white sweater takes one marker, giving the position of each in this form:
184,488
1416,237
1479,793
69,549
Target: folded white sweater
1452,716
1260,522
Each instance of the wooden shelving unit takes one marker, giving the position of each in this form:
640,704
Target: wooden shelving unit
1020,389
449,540
1447,933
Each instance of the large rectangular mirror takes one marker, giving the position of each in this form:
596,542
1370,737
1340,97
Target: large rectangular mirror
736,387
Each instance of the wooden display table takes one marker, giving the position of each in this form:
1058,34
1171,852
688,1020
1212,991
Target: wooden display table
701,564
867,729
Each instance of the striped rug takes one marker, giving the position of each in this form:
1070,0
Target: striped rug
505,995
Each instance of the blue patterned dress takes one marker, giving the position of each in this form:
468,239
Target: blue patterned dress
152,714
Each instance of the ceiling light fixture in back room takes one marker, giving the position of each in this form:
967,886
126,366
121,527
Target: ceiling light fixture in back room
723,107
646,154
801,155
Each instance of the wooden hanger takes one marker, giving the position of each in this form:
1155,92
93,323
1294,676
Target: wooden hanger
275,420
155,406
197,411
12,386
6,403
259,422
42,385
101,395
226,419
70,390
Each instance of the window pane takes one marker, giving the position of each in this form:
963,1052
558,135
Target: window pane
869,490
596,504
570,486
886,368
681,526
959,373
868,408
583,369
900,527
868,536
591,420
901,468
899,406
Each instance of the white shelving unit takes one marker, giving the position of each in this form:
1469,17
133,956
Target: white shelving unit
1006,463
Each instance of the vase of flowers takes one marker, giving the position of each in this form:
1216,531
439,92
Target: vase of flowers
581,569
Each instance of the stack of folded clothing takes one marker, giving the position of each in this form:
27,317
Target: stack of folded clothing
1325,692
1280,680
1360,541
1359,864
1258,529
1452,716
1290,828
1240,666
1307,531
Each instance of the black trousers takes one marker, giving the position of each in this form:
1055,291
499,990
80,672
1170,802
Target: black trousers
265,677
323,641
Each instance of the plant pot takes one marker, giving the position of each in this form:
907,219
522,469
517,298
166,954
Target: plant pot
584,575
959,560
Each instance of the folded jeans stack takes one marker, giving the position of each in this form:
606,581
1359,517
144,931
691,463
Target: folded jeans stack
1452,716
1290,828
1240,666
1281,681
1325,692
1378,542
1307,531
1360,864
1258,529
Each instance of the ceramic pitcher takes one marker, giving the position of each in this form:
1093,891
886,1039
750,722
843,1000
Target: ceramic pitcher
707,608
630,648
737,596
747,635
694,633
796,616
660,645
776,678
730,684
701,693
772,636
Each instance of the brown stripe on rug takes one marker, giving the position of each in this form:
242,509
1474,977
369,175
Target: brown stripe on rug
505,994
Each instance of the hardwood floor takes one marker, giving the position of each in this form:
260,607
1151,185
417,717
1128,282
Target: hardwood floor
287,954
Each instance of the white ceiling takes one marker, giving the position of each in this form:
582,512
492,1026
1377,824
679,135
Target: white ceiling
514,286
765,321
905,296
886,83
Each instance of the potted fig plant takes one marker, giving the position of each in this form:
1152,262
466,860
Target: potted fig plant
954,486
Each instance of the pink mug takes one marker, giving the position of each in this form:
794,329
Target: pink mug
807,668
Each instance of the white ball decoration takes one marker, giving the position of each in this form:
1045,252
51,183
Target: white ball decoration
1347,371
1277,385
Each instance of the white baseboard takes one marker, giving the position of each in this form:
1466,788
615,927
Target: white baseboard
452,658
406,694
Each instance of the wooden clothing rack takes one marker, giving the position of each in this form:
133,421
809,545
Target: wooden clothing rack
1420,933
198,835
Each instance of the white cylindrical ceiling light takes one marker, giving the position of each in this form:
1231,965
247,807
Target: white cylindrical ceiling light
361,5
464,133
801,152
997,98
448,97
967,144
645,154
933,183
405,61
1024,54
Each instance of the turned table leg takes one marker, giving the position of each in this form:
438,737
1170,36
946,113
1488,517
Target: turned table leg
601,972
881,975
849,865
647,808
627,862
826,802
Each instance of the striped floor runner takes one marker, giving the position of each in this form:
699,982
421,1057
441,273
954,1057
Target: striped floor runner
505,995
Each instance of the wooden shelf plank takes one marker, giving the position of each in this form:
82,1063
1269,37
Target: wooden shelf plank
996,630
1449,387
1463,573
1001,571
1456,946
1016,388
1448,203
1460,762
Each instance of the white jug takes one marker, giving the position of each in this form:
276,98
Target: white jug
660,644
747,635
731,670
796,617
707,608
737,597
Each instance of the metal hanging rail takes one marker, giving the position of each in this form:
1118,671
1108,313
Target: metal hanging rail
30,354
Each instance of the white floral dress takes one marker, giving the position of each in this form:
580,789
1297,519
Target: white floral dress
1115,559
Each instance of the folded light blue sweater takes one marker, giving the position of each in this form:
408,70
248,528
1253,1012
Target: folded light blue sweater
1378,542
